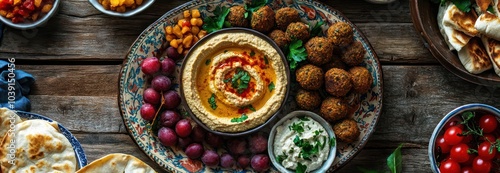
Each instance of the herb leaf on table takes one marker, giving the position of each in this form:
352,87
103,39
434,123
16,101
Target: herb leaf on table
394,163
254,6
216,22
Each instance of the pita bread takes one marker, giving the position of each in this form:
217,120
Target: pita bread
117,163
489,25
493,48
454,38
474,57
8,119
38,147
460,21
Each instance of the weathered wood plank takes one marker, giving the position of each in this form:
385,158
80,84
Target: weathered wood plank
415,99
414,159
79,32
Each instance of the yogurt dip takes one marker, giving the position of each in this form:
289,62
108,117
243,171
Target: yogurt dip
301,144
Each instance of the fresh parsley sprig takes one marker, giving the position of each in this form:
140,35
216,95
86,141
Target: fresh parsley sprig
216,22
240,80
316,30
240,119
296,54
254,6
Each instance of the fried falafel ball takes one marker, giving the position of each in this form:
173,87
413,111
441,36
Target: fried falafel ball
279,37
354,54
308,100
333,109
236,17
310,77
319,50
337,82
361,79
285,16
263,19
340,34
298,30
346,130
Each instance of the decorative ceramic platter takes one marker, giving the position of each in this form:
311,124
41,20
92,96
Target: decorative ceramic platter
365,108
81,159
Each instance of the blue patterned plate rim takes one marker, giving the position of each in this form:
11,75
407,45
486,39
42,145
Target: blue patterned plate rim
81,159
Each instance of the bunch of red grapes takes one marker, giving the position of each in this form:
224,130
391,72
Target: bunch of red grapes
178,131
469,144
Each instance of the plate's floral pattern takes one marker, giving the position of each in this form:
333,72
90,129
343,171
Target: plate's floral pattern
365,108
81,159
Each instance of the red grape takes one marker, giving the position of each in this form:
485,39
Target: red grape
167,66
258,143
243,161
150,65
183,128
198,133
226,160
184,142
167,136
172,53
237,146
161,83
214,140
169,118
260,162
172,99
148,112
152,96
194,150
210,158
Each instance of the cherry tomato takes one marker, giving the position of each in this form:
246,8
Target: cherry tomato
455,121
480,165
469,162
445,148
459,153
449,166
467,170
486,151
452,136
488,123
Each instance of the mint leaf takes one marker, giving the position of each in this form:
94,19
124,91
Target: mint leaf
271,86
296,53
216,22
212,102
240,119
394,161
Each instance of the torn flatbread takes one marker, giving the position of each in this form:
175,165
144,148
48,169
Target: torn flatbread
37,147
454,38
460,20
474,57
117,163
8,120
488,25
493,49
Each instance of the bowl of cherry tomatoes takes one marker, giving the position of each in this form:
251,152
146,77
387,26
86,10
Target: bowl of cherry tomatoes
27,14
467,139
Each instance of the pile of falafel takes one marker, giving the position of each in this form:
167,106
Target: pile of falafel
333,63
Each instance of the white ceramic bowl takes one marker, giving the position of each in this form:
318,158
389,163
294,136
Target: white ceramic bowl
39,22
333,149
476,107
145,4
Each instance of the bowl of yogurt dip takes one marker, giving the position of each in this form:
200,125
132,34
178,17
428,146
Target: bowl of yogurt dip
302,141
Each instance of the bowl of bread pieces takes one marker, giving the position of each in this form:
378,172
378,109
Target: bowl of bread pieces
463,35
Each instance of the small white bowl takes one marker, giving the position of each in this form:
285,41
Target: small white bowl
39,22
476,107
145,4
333,149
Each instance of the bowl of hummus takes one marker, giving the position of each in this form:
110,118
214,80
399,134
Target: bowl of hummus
234,81
302,141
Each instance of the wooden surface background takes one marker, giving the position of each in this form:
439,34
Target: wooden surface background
77,56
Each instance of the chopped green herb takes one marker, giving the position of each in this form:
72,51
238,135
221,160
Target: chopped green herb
332,142
316,30
252,53
216,22
240,119
296,53
212,102
303,118
300,168
266,60
271,86
281,157
250,107
254,6
226,80
240,80
297,127
207,62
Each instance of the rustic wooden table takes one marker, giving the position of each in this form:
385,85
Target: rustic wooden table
77,56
